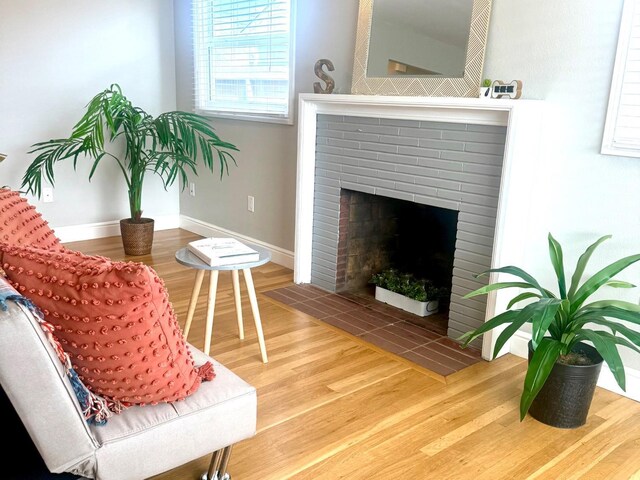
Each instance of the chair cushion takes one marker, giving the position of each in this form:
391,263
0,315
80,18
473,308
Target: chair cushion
222,412
20,224
113,318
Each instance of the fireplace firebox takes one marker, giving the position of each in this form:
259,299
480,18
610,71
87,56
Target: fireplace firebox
377,233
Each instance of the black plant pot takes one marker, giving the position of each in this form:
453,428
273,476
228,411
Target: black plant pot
566,396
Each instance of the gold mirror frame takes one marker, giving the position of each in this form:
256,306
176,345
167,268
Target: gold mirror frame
466,86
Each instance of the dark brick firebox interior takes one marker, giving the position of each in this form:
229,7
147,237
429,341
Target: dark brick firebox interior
379,232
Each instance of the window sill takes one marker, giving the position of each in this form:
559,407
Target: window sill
619,151
246,117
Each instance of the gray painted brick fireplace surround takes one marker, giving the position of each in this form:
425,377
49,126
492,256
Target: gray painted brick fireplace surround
448,165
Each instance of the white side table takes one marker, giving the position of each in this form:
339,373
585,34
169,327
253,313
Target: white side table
188,259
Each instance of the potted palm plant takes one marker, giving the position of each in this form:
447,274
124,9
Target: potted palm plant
563,369
485,90
168,145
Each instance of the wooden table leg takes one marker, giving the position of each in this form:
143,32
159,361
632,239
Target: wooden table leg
213,285
256,313
235,276
193,302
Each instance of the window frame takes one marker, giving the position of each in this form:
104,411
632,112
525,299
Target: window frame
609,146
287,119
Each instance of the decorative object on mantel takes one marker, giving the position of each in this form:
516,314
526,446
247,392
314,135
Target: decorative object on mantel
464,34
485,90
418,296
322,75
170,145
563,370
510,90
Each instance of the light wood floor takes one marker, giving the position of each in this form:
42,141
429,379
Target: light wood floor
331,406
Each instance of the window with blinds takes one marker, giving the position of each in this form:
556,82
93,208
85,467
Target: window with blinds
243,57
622,126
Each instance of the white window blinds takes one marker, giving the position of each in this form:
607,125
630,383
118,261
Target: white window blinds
622,127
244,58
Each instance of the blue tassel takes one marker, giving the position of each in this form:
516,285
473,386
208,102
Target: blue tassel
79,389
25,302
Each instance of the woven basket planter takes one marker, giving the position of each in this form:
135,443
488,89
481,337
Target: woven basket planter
137,236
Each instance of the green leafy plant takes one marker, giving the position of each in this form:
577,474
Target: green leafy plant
408,285
486,82
559,322
168,145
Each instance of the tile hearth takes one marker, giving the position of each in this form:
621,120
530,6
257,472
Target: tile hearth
389,328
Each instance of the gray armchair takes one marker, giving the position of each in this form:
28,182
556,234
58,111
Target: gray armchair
139,442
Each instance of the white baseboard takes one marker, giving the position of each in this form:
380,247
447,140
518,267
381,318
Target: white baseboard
278,255
90,231
519,347
520,344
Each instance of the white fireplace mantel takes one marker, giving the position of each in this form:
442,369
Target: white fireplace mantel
523,121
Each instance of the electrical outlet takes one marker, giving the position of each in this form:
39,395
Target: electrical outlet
192,189
251,204
47,195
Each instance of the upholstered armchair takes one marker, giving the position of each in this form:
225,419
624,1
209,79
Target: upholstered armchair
106,394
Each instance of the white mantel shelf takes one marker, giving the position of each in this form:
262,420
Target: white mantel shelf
442,109
521,117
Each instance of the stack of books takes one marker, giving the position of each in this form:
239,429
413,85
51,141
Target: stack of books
222,251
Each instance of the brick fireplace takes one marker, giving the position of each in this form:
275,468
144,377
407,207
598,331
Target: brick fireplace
462,155
455,167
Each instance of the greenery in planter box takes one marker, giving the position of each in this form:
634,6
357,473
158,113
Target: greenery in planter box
408,285
559,322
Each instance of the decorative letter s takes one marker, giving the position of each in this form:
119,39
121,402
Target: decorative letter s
317,87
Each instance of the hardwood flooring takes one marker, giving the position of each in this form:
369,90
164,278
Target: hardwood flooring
331,406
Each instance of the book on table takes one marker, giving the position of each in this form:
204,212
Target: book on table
222,251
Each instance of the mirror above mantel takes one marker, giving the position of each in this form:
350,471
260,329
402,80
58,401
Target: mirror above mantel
420,47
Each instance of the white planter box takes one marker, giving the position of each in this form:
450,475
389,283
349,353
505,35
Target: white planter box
422,309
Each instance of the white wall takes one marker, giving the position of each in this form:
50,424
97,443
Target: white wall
564,53
267,158
55,56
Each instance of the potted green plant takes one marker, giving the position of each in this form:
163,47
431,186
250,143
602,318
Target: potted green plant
168,145
563,370
405,291
485,90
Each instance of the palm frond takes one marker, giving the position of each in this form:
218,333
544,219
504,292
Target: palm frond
170,145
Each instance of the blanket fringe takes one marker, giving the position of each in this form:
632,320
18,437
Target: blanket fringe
206,372
96,409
